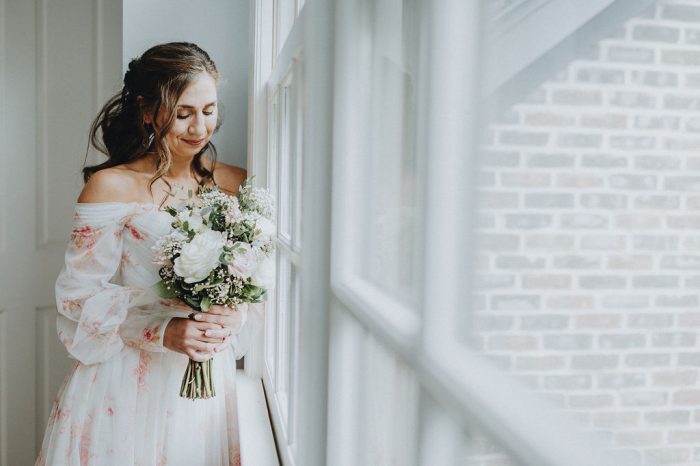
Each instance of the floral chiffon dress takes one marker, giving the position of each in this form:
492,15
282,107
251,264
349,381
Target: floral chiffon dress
120,402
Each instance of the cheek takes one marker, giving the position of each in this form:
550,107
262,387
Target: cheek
211,123
179,128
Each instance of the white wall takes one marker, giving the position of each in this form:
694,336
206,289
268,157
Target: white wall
218,26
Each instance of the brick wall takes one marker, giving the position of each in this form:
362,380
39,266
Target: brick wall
588,284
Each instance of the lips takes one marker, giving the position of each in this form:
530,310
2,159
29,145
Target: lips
194,142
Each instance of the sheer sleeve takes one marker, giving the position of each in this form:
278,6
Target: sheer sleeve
248,340
96,317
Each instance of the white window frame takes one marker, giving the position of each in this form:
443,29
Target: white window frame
443,363
277,37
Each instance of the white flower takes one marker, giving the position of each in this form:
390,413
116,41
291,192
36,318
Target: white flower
194,220
266,227
233,211
200,256
264,275
244,261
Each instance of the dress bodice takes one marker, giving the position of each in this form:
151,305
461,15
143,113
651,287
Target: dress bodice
142,228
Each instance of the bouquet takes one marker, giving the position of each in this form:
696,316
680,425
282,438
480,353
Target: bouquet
217,253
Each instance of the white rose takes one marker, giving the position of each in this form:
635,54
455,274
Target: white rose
194,220
200,256
264,275
244,261
266,227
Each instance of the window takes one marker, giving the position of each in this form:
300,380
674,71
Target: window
387,130
278,165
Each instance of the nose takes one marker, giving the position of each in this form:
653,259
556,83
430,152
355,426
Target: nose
198,128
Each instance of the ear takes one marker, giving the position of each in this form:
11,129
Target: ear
147,117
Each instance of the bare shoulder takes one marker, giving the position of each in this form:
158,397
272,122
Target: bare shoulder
229,177
114,184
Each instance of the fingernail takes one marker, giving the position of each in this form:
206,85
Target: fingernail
198,317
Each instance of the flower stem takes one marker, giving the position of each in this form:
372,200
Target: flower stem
197,383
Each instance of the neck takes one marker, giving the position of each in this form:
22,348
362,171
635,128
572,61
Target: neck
180,168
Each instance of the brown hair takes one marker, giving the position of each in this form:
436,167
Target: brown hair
159,76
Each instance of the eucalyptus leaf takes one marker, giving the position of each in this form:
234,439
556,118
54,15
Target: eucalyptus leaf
161,288
192,301
205,304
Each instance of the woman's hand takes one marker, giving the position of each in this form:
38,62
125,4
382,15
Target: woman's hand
198,340
227,317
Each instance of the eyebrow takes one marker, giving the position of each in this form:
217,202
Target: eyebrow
192,106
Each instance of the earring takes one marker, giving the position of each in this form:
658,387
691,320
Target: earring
149,141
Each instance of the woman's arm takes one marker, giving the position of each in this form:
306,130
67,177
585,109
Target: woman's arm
96,317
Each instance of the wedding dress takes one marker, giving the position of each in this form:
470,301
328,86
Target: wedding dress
120,402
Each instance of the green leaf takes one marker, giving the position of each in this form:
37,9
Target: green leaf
161,289
205,304
192,301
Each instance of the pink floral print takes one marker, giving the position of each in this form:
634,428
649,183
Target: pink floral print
85,236
120,403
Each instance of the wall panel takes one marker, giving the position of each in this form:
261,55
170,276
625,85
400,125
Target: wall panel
69,39
53,364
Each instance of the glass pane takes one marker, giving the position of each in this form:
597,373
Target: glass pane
272,304
284,295
297,129
292,350
285,198
586,286
377,397
480,449
390,394
391,247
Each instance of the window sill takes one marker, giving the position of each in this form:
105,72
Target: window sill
255,433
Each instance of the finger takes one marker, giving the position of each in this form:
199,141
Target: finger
199,356
222,310
223,345
202,347
202,326
215,340
218,333
216,319
198,328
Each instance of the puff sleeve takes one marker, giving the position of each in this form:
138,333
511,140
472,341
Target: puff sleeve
248,341
97,317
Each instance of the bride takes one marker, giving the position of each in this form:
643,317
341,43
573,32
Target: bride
120,403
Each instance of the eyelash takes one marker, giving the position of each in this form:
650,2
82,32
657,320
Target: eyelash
182,117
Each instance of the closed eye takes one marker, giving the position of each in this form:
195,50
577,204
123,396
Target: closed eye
182,117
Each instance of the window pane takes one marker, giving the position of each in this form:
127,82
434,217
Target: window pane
283,323
373,401
586,287
391,248
390,399
285,199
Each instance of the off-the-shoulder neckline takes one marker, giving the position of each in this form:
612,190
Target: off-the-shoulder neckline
114,202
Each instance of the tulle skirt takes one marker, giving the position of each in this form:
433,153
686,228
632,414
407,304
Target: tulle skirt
128,411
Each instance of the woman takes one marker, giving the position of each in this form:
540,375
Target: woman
120,403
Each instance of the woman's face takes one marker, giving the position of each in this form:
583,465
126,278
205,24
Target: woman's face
195,118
